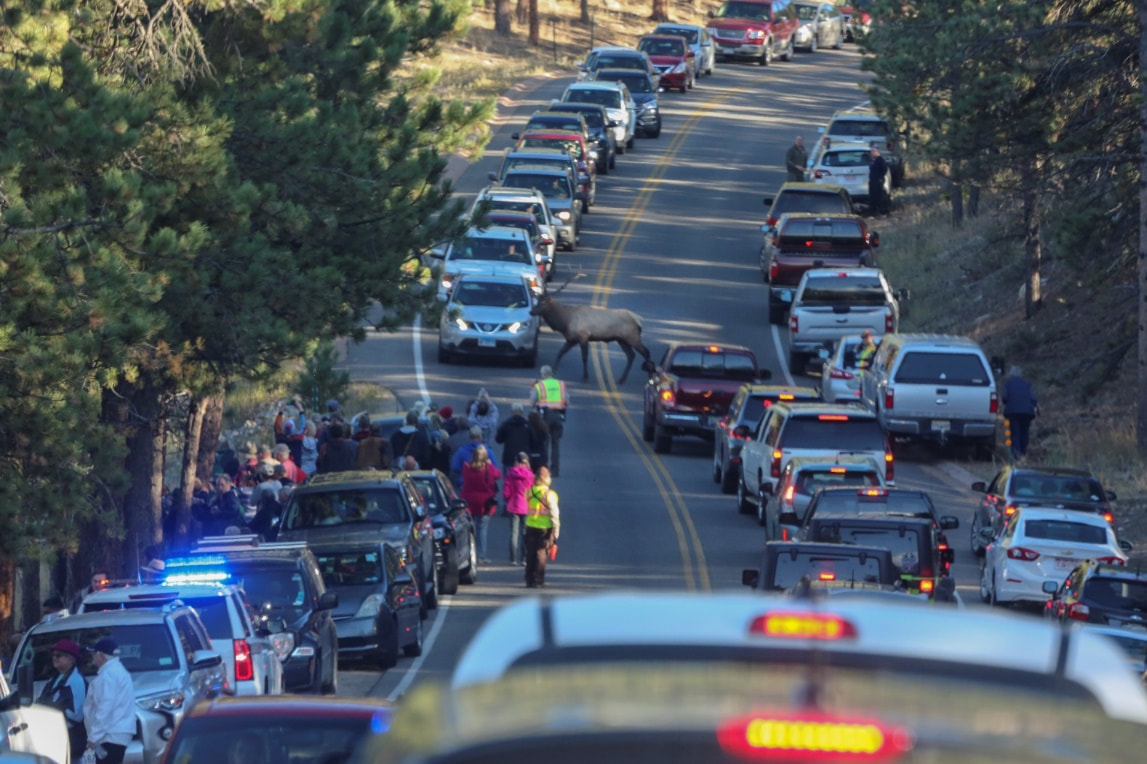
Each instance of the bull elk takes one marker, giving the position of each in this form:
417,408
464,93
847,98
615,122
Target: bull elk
583,324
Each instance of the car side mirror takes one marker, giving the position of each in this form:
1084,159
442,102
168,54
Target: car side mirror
874,239
903,293
515,136
438,253
328,600
767,201
988,534
949,523
764,375
579,65
1049,587
751,577
1111,495
205,659
820,130
1126,546
822,353
492,176
980,486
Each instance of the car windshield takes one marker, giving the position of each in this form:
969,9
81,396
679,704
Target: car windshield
850,433
869,128
491,248
809,482
806,12
904,543
655,47
1124,594
491,294
142,648
697,363
1059,487
689,34
352,567
792,567
279,584
743,10
863,291
271,737
558,163
212,610
924,368
850,158
552,123
637,83
357,505
551,186
607,61
611,99
1065,530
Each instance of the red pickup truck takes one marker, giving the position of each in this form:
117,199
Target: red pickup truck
754,29
691,388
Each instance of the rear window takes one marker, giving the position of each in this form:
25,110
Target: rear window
662,47
638,82
850,503
695,363
279,585
851,434
869,128
609,98
531,207
809,482
350,568
824,567
689,34
350,507
1059,487
558,163
814,236
1065,530
850,158
592,118
620,62
570,146
923,368
864,291
904,543
1117,593
551,186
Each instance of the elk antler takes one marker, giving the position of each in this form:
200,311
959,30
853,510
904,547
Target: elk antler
569,278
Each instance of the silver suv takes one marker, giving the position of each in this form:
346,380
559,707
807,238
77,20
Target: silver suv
252,661
167,652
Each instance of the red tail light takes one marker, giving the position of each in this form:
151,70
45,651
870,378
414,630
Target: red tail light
793,324
1022,553
773,270
1110,518
772,221
836,373
797,625
821,174
888,327
889,467
789,494
1110,560
1078,612
994,406
244,668
889,398
927,585
776,468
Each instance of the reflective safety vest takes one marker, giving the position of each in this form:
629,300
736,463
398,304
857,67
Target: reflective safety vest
551,393
537,508
864,356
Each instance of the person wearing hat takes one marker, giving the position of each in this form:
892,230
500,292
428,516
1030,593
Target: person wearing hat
866,350
224,509
152,571
66,691
109,708
449,424
51,609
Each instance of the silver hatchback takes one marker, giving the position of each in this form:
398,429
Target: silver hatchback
487,316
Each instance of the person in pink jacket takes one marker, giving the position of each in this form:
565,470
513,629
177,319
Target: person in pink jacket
519,478
480,491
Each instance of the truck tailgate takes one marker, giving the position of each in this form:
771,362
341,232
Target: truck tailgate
831,322
941,403
710,396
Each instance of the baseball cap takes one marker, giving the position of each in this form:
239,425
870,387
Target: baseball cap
107,646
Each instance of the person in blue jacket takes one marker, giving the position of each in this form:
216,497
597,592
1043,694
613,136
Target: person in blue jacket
1020,408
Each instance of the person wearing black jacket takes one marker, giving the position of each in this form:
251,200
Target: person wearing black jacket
66,691
878,201
514,435
411,440
339,454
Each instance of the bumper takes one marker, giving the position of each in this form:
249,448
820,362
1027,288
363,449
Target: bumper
620,135
674,80
803,39
1021,584
649,121
740,48
940,429
364,635
566,233
471,342
687,422
148,744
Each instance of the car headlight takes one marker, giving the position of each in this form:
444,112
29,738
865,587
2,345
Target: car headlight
439,534
755,34
564,216
680,68
167,701
515,327
370,606
712,31
447,282
461,324
282,644
649,105
617,114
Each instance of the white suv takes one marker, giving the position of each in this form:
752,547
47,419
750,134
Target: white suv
253,664
619,106
35,730
494,251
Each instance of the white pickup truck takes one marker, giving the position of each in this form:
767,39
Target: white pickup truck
34,729
831,303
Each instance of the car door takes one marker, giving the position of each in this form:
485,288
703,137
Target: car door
421,538
630,106
204,681
457,515
405,606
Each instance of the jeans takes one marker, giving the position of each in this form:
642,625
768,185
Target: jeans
555,421
482,531
538,542
1021,426
517,538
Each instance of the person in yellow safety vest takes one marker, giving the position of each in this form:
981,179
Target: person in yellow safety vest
550,397
543,525
866,350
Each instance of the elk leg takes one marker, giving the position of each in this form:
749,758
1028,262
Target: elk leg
647,366
565,349
584,361
625,346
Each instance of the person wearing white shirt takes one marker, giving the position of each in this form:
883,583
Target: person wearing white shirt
109,708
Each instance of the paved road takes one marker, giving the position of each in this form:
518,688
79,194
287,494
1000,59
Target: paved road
675,237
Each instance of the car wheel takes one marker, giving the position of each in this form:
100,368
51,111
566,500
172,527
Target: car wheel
603,168
788,54
995,598
716,467
839,41
766,54
620,148
985,595
386,657
647,427
662,441
763,513
744,507
776,311
414,649
729,480
431,598
448,580
977,545
797,363
613,160
331,686
812,45
470,575
443,355
629,143
684,86
656,133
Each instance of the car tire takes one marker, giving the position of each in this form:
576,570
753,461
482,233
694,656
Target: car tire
647,427
620,148
415,649
839,42
448,579
657,132
603,169
387,657
331,686
613,160
684,86
985,594
431,599
729,480
763,514
443,355
798,363
978,547
788,54
629,143
994,601
717,474
470,575
766,54
743,505
812,46
776,311
662,441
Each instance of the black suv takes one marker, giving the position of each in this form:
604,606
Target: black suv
748,406
283,584
1098,592
786,563
1038,487
455,552
597,120
365,506
913,542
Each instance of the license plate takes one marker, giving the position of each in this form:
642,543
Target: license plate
727,47
1065,563
941,424
487,343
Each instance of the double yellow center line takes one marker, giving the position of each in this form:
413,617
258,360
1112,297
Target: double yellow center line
693,563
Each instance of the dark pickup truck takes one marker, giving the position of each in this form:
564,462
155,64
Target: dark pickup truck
786,563
691,389
804,241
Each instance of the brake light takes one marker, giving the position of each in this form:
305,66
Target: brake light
837,470
794,324
1110,560
839,374
714,349
1009,510
244,668
784,397
809,243
927,585
774,269
1078,612
827,576
888,327
994,405
1022,553
872,492
776,468
832,417
822,174
789,494
1110,518
798,625
888,466
667,396
771,221
889,398
812,736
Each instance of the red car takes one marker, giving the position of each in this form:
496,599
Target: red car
754,29
672,58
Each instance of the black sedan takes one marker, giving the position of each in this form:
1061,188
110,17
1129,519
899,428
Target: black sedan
455,553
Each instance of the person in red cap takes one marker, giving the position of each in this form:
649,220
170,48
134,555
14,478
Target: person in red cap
66,691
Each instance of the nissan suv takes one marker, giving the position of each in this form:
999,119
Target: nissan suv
1102,593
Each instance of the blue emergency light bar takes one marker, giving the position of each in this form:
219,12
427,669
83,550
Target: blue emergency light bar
203,569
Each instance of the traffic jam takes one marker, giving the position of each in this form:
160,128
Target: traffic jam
848,641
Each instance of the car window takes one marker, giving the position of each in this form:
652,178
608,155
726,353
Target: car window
189,638
1117,593
697,363
350,568
864,291
686,32
662,47
864,127
489,294
849,433
825,567
850,158
142,648
558,163
837,231
533,208
380,506
280,585
904,543
1064,530
637,82
743,10
551,186
910,504
555,124
806,12
810,201
927,368
319,737
620,62
1059,487
809,482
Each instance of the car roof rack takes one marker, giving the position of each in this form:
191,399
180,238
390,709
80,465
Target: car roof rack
242,541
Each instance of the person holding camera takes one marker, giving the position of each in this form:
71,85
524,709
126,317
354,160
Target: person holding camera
480,491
